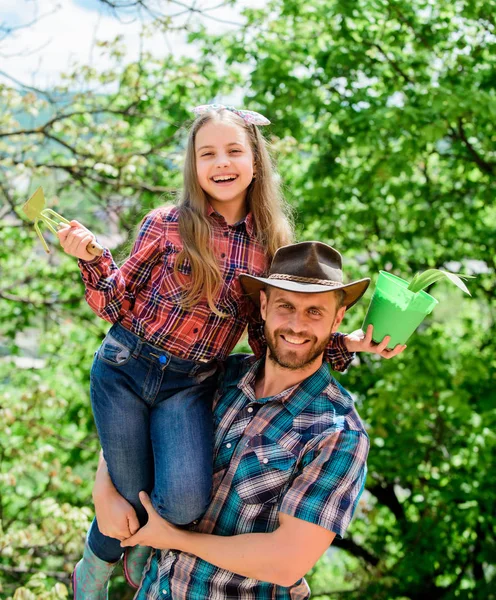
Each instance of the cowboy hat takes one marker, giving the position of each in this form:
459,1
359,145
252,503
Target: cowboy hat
308,267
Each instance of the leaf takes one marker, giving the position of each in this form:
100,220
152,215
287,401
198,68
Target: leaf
457,280
427,278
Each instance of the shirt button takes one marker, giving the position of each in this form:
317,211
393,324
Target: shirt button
195,330
228,445
226,233
265,461
164,592
223,255
250,409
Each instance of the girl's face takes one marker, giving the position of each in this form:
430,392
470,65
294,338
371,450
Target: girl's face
224,164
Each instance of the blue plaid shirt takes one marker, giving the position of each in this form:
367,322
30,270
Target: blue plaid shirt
302,452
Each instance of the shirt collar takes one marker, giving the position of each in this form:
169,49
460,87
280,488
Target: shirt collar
296,398
247,220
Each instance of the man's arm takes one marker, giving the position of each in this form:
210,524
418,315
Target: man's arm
319,505
281,557
116,517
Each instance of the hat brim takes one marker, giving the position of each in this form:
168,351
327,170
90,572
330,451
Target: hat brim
353,291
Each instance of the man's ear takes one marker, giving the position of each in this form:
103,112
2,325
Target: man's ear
263,304
338,318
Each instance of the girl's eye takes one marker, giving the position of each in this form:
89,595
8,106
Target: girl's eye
235,150
207,154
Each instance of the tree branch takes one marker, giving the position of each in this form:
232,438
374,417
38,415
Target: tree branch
350,546
384,492
460,135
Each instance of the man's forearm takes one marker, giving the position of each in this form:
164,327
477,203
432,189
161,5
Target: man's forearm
257,555
103,484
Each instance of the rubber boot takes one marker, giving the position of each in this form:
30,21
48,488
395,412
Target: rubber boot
91,576
135,559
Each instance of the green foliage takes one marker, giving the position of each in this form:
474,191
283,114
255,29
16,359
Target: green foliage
383,124
427,278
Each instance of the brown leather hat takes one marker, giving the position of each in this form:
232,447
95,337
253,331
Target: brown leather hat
307,267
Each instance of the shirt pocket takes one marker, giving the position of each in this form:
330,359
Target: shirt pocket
264,471
174,283
233,297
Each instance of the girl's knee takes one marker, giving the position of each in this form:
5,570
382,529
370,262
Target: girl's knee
182,512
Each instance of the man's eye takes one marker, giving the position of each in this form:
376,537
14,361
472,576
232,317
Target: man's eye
314,311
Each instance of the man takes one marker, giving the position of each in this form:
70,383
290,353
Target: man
290,450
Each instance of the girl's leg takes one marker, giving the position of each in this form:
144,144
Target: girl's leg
182,437
123,423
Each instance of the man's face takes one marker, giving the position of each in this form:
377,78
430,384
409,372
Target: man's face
298,326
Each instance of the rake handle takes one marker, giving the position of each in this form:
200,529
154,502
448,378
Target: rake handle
94,248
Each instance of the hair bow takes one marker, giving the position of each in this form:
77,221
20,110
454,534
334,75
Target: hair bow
249,116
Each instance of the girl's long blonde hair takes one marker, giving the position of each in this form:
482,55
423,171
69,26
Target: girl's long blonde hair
272,223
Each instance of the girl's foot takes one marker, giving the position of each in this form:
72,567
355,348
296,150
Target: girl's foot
91,576
135,559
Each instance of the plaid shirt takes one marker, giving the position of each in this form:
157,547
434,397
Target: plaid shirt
302,452
145,293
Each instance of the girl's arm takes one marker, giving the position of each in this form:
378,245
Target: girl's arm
110,290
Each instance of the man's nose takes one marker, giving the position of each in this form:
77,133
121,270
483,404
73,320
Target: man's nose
297,322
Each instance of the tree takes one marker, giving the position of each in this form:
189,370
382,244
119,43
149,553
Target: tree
382,116
384,111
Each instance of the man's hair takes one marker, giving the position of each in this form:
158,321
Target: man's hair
340,295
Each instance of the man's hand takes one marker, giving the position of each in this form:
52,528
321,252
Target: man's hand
116,517
358,341
157,533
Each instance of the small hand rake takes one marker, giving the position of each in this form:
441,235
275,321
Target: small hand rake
35,211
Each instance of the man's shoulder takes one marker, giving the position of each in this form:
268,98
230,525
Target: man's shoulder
343,407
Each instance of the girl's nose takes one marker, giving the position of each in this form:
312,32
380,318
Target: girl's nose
222,160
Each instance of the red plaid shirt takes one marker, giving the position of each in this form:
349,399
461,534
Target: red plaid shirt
144,293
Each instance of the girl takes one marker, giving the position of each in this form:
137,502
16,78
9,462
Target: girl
178,310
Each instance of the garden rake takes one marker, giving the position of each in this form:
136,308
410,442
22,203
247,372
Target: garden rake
35,211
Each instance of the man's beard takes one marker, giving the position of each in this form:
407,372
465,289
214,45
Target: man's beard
290,359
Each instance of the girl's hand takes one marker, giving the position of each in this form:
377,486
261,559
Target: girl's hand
74,238
358,341
157,533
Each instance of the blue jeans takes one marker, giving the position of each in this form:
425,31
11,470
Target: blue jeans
153,412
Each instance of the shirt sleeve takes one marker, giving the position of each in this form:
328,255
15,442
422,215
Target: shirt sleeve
330,481
336,353
110,290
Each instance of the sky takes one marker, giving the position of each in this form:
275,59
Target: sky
65,32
